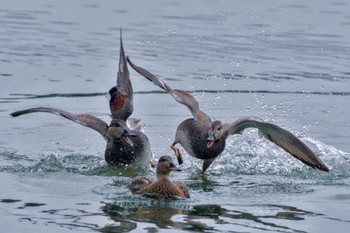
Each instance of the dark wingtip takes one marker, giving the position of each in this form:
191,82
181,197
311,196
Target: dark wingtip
121,53
323,168
15,114
318,166
121,42
129,61
121,35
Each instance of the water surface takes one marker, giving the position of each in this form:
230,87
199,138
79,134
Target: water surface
286,62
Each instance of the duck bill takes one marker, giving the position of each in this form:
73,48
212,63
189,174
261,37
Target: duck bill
126,135
174,168
210,140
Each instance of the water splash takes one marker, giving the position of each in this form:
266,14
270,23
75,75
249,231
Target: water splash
250,156
73,163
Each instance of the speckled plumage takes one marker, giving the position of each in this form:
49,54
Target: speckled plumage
163,186
121,153
192,135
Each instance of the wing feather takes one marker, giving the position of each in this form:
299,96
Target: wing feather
180,96
281,137
121,95
86,120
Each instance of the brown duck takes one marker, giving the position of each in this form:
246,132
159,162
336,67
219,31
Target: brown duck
205,139
163,187
124,145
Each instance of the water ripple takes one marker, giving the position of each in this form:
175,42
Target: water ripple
70,95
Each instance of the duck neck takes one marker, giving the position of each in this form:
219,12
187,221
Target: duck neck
162,176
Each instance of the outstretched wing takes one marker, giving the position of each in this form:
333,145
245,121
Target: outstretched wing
83,119
180,96
280,137
121,96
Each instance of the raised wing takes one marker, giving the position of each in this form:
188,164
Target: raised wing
121,96
280,137
83,119
180,96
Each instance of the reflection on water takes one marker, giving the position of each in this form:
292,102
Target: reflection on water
200,217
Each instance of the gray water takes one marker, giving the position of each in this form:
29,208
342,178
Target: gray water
284,61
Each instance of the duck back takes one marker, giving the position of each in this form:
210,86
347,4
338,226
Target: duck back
121,153
164,187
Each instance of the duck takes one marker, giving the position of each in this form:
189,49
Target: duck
126,144
163,187
205,139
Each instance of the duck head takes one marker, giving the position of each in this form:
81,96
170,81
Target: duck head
215,133
119,131
166,165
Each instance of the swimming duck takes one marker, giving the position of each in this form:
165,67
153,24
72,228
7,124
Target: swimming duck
205,139
163,187
124,145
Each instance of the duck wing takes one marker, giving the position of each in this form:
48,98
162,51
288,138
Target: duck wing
86,120
138,183
183,188
281,137
121,96
180,96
